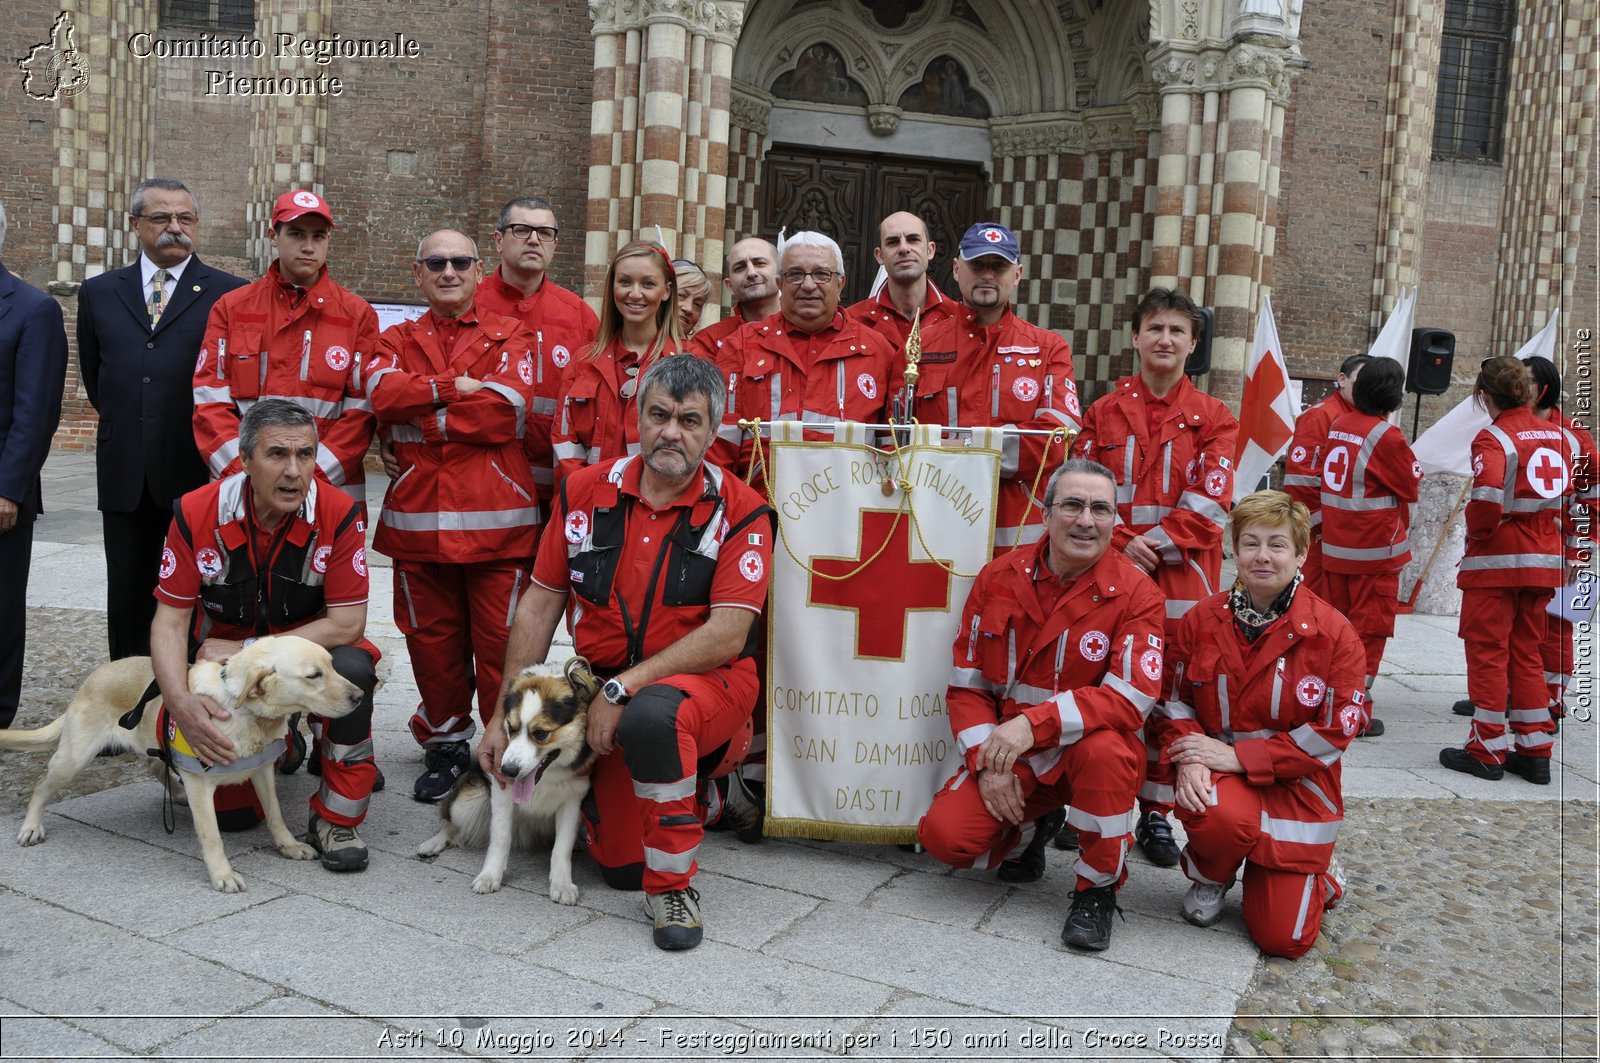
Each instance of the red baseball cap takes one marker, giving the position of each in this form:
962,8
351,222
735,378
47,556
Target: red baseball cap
296,204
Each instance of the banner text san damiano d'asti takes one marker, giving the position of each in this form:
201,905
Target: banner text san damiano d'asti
867,590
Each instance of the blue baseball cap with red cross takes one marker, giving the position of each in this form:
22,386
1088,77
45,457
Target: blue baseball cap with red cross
988,238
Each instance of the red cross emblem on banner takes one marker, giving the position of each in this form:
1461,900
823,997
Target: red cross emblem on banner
890,586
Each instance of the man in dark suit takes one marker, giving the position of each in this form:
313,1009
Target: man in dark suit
33,371
137,349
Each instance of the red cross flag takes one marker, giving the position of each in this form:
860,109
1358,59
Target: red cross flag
1267,411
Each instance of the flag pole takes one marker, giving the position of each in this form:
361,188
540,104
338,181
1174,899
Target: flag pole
1409,605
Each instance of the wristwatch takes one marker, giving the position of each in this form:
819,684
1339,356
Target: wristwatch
615,692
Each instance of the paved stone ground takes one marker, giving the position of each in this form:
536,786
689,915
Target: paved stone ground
1469,932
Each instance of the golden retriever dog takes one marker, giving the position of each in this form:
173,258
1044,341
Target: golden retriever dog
262,685
546,717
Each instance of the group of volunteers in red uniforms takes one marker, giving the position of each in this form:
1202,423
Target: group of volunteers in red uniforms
545,460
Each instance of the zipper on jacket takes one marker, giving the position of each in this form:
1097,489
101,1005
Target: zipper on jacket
1061,660
510,481
222,358
840,390
538,366
1277,687
972,640
305,356
994,393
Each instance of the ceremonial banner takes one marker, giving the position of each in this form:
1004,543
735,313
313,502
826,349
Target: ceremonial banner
867,589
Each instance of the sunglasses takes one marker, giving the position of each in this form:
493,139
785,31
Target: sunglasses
630,386
437,263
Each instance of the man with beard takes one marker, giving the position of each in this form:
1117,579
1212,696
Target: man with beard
139,333
660,561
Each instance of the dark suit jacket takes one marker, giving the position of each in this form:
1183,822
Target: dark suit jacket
142,381
33,371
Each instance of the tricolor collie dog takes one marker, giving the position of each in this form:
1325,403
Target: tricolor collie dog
262,686
546,716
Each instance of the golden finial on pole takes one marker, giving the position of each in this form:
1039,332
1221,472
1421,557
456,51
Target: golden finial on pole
913,357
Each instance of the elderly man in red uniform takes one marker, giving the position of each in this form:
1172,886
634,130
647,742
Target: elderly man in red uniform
752,277
461,519
562,324
268,551
1302,472
904,252
987,366
294,334
660,560
1171,448
1058,661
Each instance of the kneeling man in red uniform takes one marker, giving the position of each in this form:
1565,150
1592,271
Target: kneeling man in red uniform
272,550
1057,664
1265,692
660,560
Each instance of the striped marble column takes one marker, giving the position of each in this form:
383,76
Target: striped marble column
1407,151
289,132
659,128
102,138
1549,146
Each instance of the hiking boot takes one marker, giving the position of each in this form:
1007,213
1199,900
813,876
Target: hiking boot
341,847
1534,769
1464,707
1374,728
1028,865
1088,924
677,918
1154,835
1203,904
1462,761
447,762
742,809
294,751
1067,838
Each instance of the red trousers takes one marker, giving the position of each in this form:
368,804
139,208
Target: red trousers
1282,909
1557,661
1155,791
1100,777
1369,601
1504,632
648,815
455,619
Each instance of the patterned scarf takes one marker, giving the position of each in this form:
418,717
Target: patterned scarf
1252,621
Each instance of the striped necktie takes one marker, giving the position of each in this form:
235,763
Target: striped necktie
158,301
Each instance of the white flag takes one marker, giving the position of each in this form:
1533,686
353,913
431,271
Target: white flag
1447,446
1395,339
1267,410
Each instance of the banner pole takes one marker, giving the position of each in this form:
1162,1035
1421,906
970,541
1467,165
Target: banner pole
1409,604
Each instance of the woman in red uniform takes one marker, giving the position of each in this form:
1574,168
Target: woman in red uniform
1264,693
597,418
1521,473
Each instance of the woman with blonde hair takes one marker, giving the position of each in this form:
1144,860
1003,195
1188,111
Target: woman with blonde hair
597,417
694,289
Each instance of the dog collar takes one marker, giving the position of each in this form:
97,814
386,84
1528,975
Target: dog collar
181,754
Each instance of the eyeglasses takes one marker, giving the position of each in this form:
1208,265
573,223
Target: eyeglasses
1072,509
546,233
797,277
437,263
162,220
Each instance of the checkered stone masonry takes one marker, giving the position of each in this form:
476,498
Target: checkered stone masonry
1548,147
289,133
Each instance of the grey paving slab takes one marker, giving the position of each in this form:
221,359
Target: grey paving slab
391,969
906,953
25,1033
953,900
293,1026
715,978
823,872
57,962
1392,782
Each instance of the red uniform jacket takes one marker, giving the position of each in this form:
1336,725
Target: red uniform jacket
707,343
877,314
776,372
1175,485
1288,704
1010,374
563,326
1090,661
1520,478
259,344
1584,491
466,493
594,422
1302,470
1369,480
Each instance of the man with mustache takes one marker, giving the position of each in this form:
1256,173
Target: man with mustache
139,333
660,561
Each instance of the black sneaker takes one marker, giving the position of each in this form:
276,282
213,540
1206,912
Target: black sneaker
1088,924
676,914
447,762
1028,865
742,809
1374,728
294,752
1464,707
1462,761
1154,835
1067,839
1534,769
